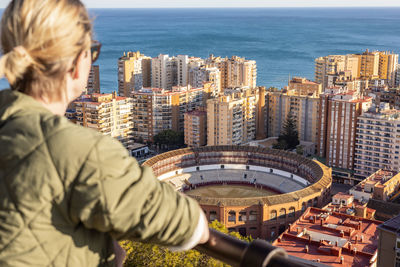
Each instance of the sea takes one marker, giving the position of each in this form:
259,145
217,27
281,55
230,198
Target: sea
283,41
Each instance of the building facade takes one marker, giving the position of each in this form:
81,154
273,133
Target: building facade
333,69
235,71
134,73
195,128
93,84
107,113
338,116
389,243
232,117
155,109
304,109
377,141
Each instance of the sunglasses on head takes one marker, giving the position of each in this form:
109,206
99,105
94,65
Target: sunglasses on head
95,50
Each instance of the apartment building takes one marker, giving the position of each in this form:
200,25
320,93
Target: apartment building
134,72
107,113
366,66
200,75
328,69
397,82
389,243
337,123
155,109
235,71
304,87
377,141
93,84
232,117
304,109
195,129
390,96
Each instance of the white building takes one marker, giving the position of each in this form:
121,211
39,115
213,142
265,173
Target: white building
377,141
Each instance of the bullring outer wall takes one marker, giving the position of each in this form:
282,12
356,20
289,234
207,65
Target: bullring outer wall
268,216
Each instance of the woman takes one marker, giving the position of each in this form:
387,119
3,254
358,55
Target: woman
66,191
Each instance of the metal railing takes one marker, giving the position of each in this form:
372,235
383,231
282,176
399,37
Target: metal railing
239,253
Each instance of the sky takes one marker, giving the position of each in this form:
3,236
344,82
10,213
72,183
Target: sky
231,3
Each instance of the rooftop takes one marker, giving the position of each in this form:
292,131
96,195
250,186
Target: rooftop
392,225
378,178
346,204
332,237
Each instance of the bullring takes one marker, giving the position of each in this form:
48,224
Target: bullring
291,183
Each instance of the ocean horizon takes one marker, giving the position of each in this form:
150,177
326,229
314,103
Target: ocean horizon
283,41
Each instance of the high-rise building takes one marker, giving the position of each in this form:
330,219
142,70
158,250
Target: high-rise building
377,141
232,117
304,109
155,109
198,76
397,82
134,72
235,71
164,71
108,113
196,128
337,123
334,69
389,243
93,84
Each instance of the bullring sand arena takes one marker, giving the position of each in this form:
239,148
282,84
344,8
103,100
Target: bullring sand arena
252,190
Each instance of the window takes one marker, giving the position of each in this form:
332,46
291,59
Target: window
291,212
213,216
232,216
272,215
242,216
253,216
282,214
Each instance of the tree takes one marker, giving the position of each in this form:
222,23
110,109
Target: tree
289,139
168,139
139,254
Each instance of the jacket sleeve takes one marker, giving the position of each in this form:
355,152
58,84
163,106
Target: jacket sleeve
112,193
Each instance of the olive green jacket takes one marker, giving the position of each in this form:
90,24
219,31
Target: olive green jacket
66,191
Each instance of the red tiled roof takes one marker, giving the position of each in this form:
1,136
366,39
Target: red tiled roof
330,236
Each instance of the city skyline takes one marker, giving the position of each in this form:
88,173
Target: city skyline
234,4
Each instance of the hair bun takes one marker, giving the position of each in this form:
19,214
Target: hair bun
14,64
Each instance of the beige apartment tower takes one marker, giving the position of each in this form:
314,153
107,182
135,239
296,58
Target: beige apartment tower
134,72
302,102
196,128
235,71
377,141
232,118
155,109
107,113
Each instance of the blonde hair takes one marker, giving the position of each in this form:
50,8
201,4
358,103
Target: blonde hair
40,39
